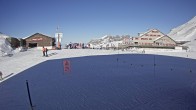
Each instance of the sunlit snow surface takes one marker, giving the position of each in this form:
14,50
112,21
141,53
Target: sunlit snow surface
105,82
184,32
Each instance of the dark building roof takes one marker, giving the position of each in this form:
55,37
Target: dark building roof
38,34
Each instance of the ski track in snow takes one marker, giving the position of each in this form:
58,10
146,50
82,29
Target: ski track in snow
115,80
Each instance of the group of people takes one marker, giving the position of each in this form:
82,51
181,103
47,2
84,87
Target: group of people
75,46
45,51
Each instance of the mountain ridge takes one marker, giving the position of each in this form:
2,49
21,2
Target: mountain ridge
184,32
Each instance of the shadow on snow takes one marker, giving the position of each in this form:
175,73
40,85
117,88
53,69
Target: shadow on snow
127,82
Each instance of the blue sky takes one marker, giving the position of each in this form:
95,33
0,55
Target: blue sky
83,20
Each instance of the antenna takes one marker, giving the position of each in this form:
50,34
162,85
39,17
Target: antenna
57,29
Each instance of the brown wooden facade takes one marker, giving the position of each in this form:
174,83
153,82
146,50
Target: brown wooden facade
14,42
40,40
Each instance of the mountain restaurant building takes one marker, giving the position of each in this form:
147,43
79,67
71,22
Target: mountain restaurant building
153,38
39,40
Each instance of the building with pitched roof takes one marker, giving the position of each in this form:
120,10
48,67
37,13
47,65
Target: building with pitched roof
153,38
39,40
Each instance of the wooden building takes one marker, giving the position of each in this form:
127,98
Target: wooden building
39,40
15,43
164,41
153,38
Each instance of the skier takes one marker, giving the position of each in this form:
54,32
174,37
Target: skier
46,50
82,45
1,75
43,50
143,51
70,45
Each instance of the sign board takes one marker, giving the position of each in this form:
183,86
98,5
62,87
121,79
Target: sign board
37,39
66,65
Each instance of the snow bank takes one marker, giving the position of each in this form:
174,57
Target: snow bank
191,45
5,47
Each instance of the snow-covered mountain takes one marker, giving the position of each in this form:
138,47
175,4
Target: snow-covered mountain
4,36
5,47
185,32
108,41
191,45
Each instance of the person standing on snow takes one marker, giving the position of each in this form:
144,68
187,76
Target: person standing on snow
43,50
1,75
46,50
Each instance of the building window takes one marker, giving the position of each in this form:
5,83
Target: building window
144,38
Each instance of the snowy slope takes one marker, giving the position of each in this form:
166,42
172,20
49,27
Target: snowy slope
5,47
185,32
24,60
191,45
107,41
3,35
99,80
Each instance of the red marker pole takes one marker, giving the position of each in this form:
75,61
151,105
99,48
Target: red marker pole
66,65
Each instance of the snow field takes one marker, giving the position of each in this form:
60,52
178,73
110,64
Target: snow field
108,82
